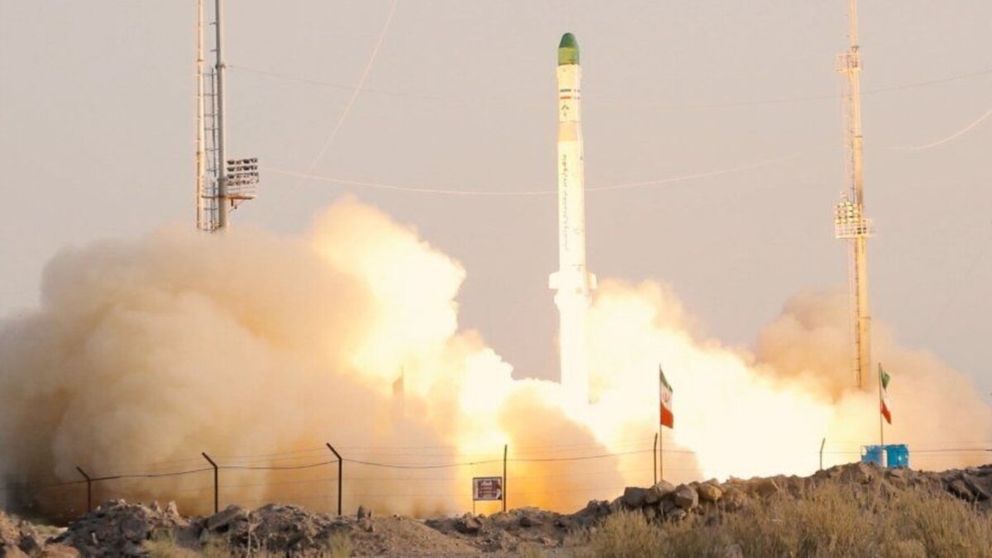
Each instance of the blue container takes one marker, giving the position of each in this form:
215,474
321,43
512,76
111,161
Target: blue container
872,454
896,455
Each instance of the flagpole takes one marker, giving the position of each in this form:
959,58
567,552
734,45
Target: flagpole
661,452
661,434
654,459
881,419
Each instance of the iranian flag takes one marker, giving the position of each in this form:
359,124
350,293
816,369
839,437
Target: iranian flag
667,418
883,393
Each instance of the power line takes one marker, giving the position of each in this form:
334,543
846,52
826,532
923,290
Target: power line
152,475
977,257
971,126
432,466
728,104
354,96
276,467
693,176
530,193
334,85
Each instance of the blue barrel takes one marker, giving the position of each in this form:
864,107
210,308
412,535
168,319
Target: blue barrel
897,456
871,454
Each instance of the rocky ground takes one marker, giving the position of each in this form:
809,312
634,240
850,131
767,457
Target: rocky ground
117,528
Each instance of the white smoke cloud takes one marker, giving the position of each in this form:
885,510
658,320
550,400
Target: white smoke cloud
145,353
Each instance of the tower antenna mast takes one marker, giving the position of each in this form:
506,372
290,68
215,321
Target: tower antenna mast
201,154
222,200
849,218
221,183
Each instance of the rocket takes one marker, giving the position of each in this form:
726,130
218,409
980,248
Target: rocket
572,282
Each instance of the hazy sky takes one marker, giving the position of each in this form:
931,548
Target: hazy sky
96,141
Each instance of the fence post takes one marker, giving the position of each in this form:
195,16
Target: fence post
216,481
340,473
654,453
89,489
823,442
504,476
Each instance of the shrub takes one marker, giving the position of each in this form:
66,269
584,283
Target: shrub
626,535
339,545
833,520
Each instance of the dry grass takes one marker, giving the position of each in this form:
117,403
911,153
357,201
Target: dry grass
162,544
833,521
165,546
339,546
626,535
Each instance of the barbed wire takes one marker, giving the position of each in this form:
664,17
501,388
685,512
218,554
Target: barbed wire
406,466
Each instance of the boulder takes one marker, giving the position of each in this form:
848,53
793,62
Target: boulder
530,520
616,505
897,477
733,499
959,488
979,492
634,497
661,489
685,497
363,513
31,543
594,509
222,521
861,473
709,492
677,514
666,506
765,488
134,529
468,525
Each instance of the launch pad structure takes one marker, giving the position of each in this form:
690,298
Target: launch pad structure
220,184
850,222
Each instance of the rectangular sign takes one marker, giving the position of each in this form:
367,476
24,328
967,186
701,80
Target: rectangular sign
487,488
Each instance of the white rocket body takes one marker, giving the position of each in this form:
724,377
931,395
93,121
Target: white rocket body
572,281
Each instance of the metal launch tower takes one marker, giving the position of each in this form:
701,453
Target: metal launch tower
849,218
221,184
572,282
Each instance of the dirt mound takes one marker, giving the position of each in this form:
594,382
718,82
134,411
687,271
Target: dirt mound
19,538
670,503
118,528
292,529
509,531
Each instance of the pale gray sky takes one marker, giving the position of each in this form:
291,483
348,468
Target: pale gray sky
96,140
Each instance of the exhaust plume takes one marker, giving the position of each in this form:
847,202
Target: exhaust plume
259,348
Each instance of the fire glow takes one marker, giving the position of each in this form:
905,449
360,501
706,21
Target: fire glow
151,351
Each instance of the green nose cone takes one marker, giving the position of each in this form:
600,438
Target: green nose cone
568,50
